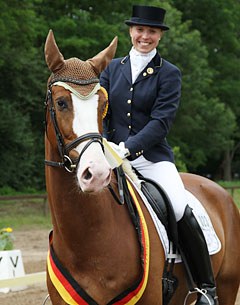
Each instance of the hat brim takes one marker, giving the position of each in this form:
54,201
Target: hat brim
147,23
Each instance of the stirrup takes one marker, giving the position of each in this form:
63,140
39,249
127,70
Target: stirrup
45,300
197,290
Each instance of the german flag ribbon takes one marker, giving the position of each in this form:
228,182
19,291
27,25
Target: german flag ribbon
73,294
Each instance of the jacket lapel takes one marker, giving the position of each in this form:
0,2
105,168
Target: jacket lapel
152,68
126,68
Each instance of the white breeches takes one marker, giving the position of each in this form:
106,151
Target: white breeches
165,173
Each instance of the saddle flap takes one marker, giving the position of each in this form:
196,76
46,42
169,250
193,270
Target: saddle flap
162,206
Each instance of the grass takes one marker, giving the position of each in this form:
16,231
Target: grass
24,214
32,213
235,193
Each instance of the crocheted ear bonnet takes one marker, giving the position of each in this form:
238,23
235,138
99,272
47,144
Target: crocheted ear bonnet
79,75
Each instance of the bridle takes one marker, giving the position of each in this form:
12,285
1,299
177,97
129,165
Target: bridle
66,162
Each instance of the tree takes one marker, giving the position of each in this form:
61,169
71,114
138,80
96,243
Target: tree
20,92
16,155
196,43
218,22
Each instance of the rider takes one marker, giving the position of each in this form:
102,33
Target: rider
144,93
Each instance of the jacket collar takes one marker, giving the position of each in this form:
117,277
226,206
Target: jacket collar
152,68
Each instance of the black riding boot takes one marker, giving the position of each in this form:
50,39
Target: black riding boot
193,245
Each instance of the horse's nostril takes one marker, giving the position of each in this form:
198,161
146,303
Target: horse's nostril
87,175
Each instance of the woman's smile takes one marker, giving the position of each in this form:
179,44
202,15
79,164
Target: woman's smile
145,38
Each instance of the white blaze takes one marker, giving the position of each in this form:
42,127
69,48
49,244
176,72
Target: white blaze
85,115
93,172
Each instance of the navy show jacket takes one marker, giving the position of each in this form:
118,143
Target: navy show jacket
141,114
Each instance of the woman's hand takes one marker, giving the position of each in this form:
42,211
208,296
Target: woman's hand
120,149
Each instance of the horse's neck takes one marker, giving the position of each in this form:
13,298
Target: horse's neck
92,235
77,217
84,223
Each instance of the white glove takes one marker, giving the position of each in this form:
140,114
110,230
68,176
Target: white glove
120,149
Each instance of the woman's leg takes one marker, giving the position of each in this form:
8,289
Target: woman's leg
166,175
191,239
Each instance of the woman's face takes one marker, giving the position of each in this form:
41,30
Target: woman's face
145,38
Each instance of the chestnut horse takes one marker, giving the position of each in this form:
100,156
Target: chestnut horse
94,255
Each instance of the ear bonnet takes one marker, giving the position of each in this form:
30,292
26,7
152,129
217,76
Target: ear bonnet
80,76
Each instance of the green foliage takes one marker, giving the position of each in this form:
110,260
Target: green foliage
203,42
21,89
218,23
9,191
212,122
6,239
181,166
16,156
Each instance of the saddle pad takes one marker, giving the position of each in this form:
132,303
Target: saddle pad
213,242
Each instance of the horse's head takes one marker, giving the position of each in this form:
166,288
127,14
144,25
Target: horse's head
76,105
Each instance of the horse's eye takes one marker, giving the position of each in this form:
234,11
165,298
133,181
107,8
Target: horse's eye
62,104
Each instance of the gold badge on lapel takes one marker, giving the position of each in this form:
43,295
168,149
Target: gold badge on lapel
150,70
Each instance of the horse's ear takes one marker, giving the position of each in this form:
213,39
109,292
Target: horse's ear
53,56
102,59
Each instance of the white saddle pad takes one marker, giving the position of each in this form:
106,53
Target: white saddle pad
212,240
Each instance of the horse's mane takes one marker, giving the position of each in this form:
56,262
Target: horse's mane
129,171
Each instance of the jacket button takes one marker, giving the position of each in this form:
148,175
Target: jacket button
129,101
128,114
131,89
144,74
129,126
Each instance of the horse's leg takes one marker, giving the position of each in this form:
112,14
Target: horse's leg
227,291
228,278
226,221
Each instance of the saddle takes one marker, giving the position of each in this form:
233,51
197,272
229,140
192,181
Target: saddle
162,206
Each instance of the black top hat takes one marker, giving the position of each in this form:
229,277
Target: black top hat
148,15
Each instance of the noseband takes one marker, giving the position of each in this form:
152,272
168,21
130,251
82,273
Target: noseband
64,149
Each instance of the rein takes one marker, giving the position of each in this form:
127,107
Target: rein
64,149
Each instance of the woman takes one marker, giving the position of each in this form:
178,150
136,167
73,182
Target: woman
144,92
